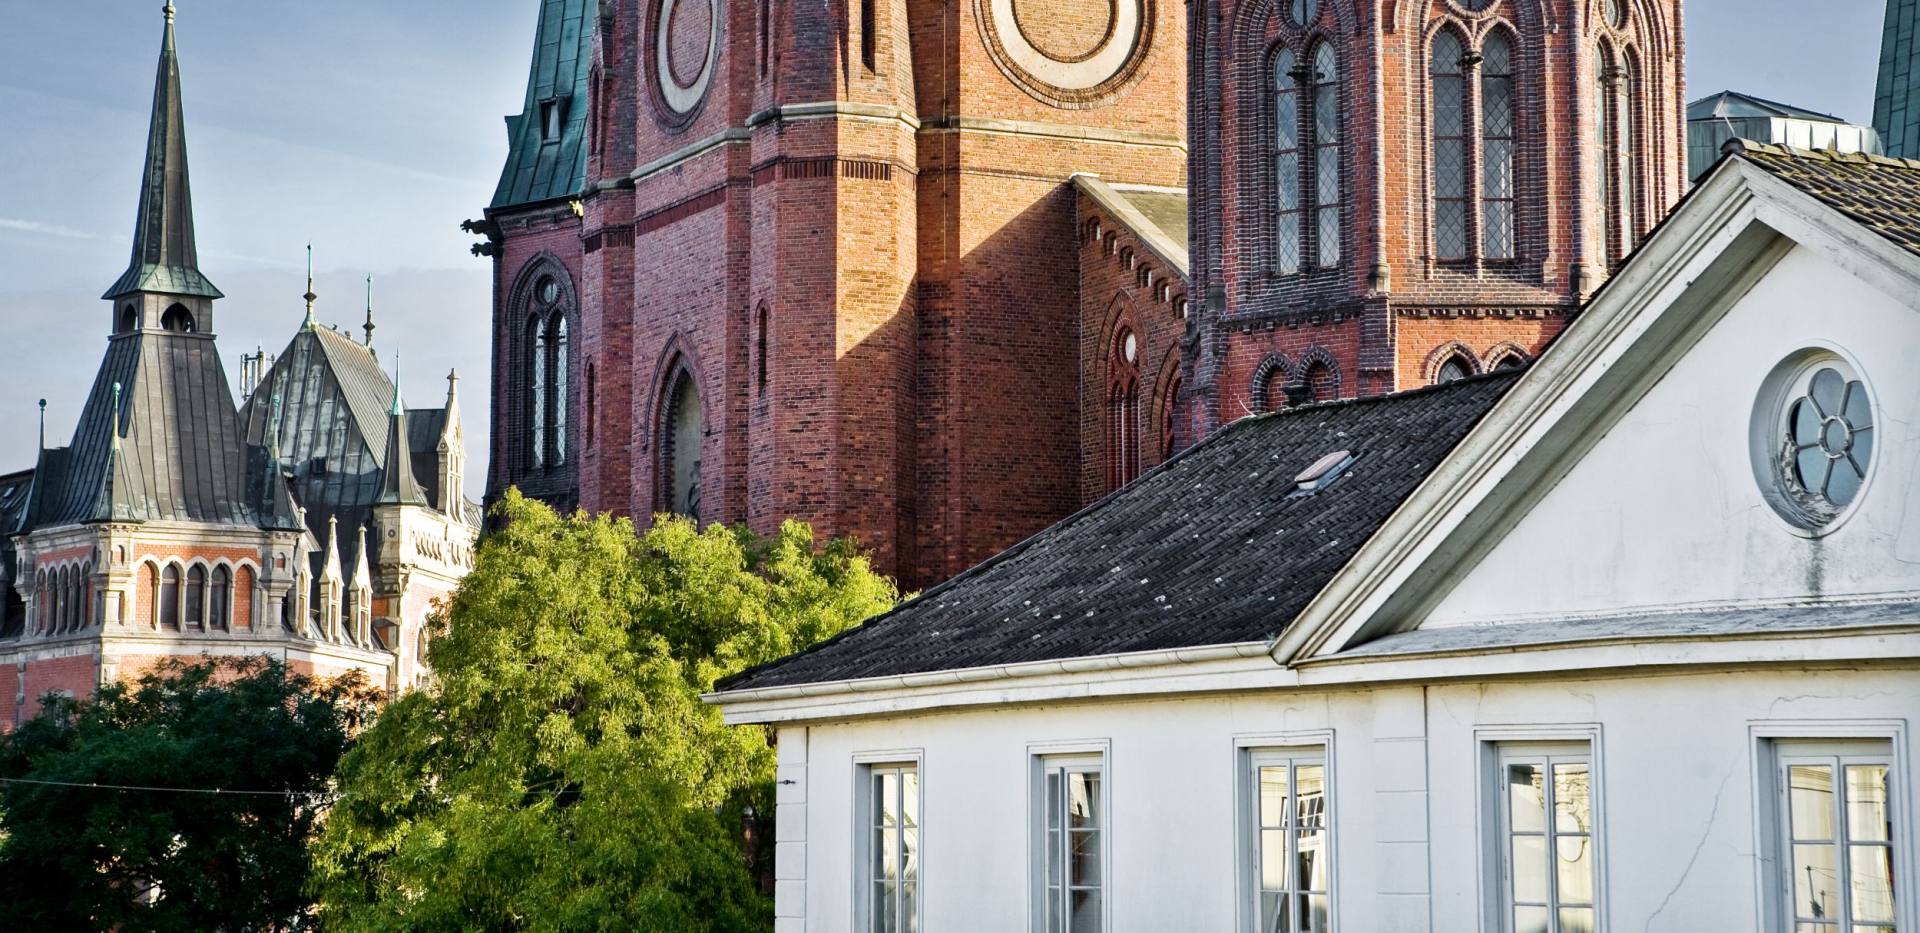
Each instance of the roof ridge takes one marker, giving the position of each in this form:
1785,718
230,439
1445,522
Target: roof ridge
1745,146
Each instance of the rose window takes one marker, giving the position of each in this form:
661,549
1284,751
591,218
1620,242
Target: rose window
1829,440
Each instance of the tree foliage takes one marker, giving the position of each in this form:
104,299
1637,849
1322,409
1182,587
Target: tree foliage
563,773
97,857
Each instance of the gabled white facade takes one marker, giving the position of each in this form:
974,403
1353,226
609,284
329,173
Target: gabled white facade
1594,583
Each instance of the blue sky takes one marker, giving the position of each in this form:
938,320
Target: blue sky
373,127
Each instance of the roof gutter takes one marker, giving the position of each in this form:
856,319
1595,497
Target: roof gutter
1000,672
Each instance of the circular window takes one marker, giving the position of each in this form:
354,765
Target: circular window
1071,54
548,290
1305,11
1130,347
1617,13
1813,439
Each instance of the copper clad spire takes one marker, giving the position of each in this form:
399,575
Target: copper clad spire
165,259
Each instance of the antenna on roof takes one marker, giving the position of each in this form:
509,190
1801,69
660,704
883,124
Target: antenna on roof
369,324
310,296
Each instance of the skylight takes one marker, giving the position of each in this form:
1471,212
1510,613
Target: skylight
1323,472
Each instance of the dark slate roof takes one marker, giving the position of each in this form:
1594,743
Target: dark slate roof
16,489
424,427
164,256
323,406
1896,99
539,170
396,482
1733,105
1880,192
176,453
1210,548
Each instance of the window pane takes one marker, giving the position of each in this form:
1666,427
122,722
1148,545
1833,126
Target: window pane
1530,869
1273,797
1053,800
1286,120
1871,874
1572,799
1312,862
1273,914
1829,391
1055,904
1496,230
1053,858
1317,913
909,913
1816,881
1329,235
1312,796
1086,912
1496,101
1496,176
1273,860
1576,920
1086,858
1450,230
1530,920
1810,791
1867,818
1449,168
1527,805
1449,106
883,907
1083,800
1327,175
1575,866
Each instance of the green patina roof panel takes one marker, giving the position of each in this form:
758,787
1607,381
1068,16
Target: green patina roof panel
1896,105
540,169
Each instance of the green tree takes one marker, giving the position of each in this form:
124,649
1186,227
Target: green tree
82,851
563,773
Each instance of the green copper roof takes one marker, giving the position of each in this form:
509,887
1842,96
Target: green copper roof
164,258
543,166
1896,104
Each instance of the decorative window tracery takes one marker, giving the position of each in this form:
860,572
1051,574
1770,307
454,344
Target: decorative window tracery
1475,179
1306,155
548,367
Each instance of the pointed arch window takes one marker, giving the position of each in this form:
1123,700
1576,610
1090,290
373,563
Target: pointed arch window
1475,181
197,597
1447,67
1169,416
1286,163
1319,383
683,431
1613,133
1628,165
167,600
1326,151
1123,409
1496,147
220,600
548,368
1454,369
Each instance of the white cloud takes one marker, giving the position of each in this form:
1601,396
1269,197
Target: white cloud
36,227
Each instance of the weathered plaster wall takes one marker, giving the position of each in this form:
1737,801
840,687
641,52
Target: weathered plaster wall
1665,510
1676,799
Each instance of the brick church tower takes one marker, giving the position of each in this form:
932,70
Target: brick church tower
919,272
826,261
1391,194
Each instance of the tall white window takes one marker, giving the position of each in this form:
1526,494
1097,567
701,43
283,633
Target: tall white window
890,861
1834,824
1289,850
1069,844
1547,839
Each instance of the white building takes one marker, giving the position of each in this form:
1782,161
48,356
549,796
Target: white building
1626,641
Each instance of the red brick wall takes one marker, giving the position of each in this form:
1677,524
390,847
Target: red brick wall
76,675
543,237
1380,311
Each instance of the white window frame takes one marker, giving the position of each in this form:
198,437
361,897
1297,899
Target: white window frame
1251,753
1500,745
1776,741
866,764
1077,757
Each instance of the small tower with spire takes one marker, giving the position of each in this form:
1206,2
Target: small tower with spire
309,296
163,288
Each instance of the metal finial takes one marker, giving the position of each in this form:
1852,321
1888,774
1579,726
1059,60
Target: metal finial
396,384
43,424
310,296
168,9
369,325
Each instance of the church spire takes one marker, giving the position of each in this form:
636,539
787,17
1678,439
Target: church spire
165,259
397,485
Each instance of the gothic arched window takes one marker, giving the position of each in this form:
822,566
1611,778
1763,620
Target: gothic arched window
1446,65
220,600
1454,369
167,600
1169,415
1286,164
1628,162
197,596
1496,147
548,368
1123,409
683,431
1610,135
178,320
1326,151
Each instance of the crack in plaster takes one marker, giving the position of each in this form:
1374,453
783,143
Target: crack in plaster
1706,832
